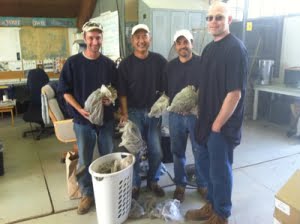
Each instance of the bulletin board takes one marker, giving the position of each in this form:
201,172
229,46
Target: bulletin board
38,43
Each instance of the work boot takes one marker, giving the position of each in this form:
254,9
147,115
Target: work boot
202,191
179,193
135,193
216,219
203,213
156,189
85,204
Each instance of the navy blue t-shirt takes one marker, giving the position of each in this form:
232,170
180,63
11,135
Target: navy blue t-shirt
81,76
140,80
178,75
224,66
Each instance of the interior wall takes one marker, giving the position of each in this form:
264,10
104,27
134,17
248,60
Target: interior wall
72,32
131,11
116,5
9,43
290,51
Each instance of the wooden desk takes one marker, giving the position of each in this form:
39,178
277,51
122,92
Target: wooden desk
8,106
276,88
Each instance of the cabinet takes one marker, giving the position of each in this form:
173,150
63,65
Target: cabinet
165,17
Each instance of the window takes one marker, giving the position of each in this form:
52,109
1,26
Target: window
263,8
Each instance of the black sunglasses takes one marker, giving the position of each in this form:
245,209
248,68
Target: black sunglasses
217,18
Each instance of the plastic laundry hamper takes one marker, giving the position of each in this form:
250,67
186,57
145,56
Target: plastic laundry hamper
112,191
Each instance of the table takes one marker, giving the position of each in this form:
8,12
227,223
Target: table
17,82
275,88
8,106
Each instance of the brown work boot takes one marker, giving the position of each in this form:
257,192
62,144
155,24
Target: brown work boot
85,204
135,193
216,219
156,189
203,213
202,191
179,193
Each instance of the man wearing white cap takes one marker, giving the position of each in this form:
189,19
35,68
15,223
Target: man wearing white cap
140,80
181,72
81,75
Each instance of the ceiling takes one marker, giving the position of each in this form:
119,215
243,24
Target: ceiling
80,9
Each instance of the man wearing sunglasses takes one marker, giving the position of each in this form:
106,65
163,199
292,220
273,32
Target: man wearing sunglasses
224,65
140,81
179,73
82,74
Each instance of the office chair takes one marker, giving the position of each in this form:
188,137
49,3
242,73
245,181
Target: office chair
36,79
60,116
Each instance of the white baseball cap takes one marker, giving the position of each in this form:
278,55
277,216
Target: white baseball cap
185,33
140,27
89,26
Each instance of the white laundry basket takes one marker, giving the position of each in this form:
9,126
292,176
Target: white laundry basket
112,191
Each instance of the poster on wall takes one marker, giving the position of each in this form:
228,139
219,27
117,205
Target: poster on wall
110,22
3,66
15,66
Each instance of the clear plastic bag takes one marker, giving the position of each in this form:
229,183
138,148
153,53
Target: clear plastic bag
131,138
94,105
136,211
169,210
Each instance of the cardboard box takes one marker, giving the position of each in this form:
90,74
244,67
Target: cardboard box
287,202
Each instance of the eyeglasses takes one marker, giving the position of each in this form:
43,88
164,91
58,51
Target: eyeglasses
217,18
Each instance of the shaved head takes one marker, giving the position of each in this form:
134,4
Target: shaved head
218,20
220,6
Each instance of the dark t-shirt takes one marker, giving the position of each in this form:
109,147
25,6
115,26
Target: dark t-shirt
140,80
178,75
224,66
81,76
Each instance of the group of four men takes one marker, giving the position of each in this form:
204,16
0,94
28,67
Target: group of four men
220,77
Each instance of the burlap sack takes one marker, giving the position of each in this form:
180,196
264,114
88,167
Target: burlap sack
71,165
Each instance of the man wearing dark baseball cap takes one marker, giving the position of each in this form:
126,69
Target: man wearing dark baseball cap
82,74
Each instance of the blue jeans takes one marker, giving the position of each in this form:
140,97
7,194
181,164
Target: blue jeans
180,127
217,167
86,139
150,131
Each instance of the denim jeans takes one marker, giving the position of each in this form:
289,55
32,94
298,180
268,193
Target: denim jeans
86,137
217,167
180,127
150,131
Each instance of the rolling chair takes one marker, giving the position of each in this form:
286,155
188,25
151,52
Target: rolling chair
58,113
36,79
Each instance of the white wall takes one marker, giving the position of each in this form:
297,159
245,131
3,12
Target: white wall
73,35
9,43
290,51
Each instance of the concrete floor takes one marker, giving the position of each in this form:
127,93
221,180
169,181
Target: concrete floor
33,189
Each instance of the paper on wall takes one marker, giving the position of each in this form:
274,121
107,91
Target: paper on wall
29,64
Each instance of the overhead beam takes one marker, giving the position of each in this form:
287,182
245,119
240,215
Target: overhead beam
39,8
85,12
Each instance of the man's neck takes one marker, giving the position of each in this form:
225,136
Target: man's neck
218,38
141,55
91,55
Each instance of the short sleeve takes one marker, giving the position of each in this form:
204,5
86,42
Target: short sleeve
236,69
65,79
121,80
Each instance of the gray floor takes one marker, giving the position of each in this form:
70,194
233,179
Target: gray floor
33,189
